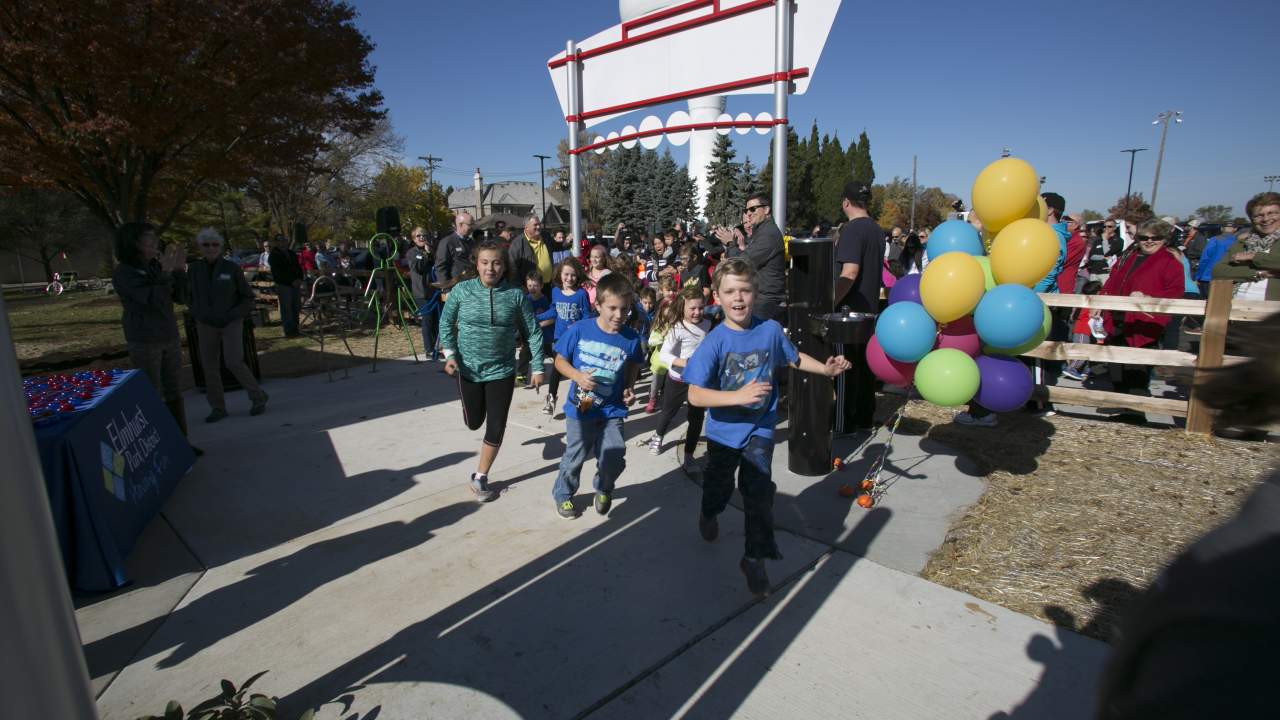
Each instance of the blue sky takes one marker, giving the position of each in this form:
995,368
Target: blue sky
1066,87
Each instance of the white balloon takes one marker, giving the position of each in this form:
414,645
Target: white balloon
653,141
677,119
764,117
600,150
724,118
742,118
629,130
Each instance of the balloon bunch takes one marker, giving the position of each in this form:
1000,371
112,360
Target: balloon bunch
50,397
954,331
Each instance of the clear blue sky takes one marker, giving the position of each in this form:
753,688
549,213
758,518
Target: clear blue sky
1066,88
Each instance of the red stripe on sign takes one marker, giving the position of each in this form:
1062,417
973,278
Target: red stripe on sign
696,92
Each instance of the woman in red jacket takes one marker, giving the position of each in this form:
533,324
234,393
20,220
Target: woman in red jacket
1147,269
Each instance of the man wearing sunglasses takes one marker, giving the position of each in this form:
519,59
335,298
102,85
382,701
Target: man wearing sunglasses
764,249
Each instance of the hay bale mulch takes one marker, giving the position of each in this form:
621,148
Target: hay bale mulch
1079,515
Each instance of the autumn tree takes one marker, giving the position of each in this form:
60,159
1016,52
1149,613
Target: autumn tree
891,204
1214,213
134,106
1133,209
403,187
591,169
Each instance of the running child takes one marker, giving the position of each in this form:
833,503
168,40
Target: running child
657,334
478,331
570,303
686,334
602,358
546,317
731,373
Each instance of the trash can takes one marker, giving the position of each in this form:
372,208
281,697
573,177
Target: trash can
229,381
811,401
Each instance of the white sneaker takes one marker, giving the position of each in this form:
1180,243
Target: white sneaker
655,445
965,418
549,406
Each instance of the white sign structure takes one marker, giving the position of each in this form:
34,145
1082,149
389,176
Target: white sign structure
691,50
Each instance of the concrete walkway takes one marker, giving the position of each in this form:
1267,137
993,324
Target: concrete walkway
333,542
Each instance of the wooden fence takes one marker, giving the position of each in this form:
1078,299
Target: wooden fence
1218,311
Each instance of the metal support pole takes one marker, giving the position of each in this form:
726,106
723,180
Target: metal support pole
42,669
781,88
1155,184
1128,189
574,68
542,184
913,193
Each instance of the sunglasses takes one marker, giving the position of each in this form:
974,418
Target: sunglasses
752,208
1150,238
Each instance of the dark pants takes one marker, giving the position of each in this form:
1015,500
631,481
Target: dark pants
429,313
290,307
489,401
753,467
677,395
859,385
553,377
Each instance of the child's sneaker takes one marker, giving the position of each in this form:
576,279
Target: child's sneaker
655,445
549,406
757,578
1075,374
965,418
603,503
566,511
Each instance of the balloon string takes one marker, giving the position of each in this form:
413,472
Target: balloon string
873,473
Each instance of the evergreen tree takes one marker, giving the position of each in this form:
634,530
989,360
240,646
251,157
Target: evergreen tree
722,178
744,188
829,179
861,160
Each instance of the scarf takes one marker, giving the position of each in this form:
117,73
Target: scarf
1255,243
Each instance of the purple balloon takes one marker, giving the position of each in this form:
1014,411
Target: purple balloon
907,289
1005,383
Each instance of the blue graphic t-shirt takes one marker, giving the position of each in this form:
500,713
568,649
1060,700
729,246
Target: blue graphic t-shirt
603,356
729,359
570,308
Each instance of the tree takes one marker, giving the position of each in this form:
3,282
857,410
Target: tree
42,225
891,204
1133,209
1090,215
403,187
743,189
133,106
646,191
722,179
592,169
860,160
829,179
1214,213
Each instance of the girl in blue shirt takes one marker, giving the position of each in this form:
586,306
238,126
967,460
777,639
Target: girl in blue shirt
569,304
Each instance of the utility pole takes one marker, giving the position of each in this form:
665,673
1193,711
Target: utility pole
1271,181
1164,117
1128,189
542,184
431,161
913,193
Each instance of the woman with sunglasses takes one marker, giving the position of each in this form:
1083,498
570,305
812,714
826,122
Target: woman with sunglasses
1146,269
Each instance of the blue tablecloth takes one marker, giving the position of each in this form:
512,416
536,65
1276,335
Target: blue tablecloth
108,468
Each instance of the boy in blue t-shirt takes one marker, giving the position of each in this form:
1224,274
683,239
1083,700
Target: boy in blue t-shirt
731,374
602,357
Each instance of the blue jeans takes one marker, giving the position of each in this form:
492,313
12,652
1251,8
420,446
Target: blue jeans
600,436
753,466
290,307
430,315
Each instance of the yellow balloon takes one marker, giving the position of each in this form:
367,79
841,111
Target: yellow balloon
951,286
1040,211
1023,253
1006,190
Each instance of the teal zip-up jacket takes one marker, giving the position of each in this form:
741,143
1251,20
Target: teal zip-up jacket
479,329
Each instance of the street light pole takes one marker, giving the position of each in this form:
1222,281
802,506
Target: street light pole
542,184
1164,117
431,161
1271,181
1128,189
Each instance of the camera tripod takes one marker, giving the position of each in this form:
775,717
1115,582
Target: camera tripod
380,300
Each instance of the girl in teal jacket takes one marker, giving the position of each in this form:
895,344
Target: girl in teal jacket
479,332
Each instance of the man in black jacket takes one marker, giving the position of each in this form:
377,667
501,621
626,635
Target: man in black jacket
286,273
453,254
764,249
220,301
419,260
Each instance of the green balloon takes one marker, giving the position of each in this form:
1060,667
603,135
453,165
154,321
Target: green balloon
1027,346
947,377
985,262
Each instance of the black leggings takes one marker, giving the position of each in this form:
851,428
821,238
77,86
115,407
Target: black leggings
553,377
491,398
675,396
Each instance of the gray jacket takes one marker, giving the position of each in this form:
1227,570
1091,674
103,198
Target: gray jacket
765,251
148,295
219,293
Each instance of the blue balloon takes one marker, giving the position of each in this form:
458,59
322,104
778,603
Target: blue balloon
906,331
1008,316
907,289
954,236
